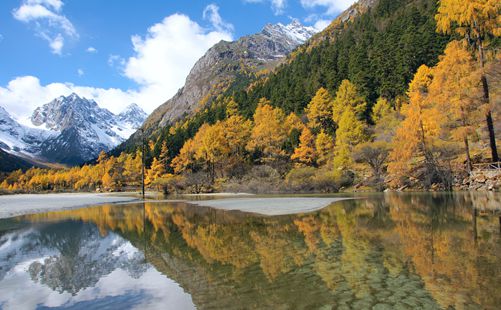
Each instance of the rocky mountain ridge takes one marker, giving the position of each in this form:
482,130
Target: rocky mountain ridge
224,61
68,130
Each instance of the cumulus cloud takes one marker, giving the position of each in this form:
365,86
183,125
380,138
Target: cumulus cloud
160,64
91,50
48,22
333,6
165,55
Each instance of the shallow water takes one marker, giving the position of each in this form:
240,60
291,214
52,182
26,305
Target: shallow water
380,251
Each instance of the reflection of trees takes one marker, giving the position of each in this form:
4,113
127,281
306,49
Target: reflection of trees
412,249
436,233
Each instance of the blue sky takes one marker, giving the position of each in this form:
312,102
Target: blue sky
123,51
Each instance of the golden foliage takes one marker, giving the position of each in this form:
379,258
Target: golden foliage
305,153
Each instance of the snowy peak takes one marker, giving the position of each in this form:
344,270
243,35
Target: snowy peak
19,139
295,32
70,130
64,112
132,115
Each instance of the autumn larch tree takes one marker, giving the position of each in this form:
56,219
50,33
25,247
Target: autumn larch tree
305,153
156,171
319,112
477,20
324,144
347,96
419,130
454,89
351,132
269,132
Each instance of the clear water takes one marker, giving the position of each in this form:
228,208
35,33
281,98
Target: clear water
393,251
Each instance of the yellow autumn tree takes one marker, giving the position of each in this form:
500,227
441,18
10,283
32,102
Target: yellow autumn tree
324,144
237,132
164,154
293,122
455,89
305,153
185,160
351,132
418,131
381,109
319,111
347,96
156,171
477,20
269,132
211,147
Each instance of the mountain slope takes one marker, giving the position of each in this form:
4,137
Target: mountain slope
222,63
9,162
378,50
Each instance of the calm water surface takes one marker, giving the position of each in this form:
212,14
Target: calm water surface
388,251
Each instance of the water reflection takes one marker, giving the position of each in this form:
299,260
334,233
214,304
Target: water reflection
393,250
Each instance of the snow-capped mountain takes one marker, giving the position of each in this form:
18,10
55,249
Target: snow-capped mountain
68,130
292,34
132,115
17,138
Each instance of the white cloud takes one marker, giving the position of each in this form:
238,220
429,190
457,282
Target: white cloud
48,22
56,44
80,72
165,55
333,6
321,24
211,13
161,62
55,4
278,6
91,50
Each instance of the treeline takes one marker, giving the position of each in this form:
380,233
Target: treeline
109,173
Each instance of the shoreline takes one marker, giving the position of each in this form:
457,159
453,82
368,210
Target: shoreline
22,204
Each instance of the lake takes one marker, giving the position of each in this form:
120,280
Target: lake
379,251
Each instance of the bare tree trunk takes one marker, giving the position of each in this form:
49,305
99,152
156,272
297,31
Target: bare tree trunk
468,158
469,166
488,114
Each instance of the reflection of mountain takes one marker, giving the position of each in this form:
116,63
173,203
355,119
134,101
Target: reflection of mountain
408,250
69,256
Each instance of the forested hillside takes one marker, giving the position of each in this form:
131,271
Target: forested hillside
379,52
405,95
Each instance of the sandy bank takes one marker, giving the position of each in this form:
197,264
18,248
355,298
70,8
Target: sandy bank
14,205
270,206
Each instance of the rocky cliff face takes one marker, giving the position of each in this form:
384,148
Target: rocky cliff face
221,64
